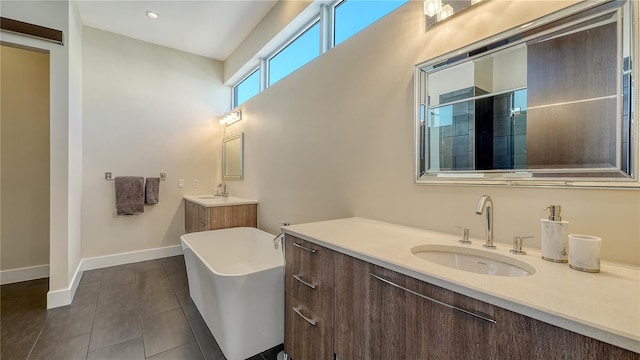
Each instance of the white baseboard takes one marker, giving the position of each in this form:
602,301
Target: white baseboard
24,274
65,296
130,257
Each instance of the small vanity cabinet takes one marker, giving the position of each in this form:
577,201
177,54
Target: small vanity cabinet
219,213
309,296
339,307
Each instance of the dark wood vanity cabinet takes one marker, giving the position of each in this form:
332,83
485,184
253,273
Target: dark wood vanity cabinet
381,314
364,311
202,218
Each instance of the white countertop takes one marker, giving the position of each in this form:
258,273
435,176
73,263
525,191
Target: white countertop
212,201
604,306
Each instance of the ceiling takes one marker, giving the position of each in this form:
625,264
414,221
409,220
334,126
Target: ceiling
211,28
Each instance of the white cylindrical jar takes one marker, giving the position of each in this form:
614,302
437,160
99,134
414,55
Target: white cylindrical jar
584,252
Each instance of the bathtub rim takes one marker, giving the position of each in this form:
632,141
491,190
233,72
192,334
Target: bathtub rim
185,244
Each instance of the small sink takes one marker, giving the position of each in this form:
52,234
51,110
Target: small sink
209,197
473,260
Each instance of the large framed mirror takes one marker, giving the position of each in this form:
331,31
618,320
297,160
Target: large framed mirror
549,103
233,157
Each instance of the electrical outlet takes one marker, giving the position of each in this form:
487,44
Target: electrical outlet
195,183
180,183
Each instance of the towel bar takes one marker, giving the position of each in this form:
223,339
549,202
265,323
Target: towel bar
109,177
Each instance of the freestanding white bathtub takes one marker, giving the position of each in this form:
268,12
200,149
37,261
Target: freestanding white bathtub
236,280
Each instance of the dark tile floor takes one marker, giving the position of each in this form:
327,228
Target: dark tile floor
127,312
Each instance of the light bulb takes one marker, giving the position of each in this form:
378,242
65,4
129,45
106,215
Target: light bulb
446,11
432,7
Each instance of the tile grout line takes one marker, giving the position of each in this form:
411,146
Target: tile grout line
37,338
93,322
140,319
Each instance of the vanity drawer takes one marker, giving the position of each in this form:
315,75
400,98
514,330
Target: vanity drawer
315,295
314,261
307,336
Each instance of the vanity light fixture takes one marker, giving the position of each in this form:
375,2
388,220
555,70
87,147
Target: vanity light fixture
441,10
153,15
432,7
231,118
446,11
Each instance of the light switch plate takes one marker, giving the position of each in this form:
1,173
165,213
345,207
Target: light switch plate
180,183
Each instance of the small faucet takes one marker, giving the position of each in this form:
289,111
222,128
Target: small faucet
221,190
485,202
279,237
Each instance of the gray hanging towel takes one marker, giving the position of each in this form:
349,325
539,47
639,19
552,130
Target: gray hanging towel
152,191
129,195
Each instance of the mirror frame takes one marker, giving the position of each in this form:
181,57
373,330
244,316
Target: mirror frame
225,141
522,177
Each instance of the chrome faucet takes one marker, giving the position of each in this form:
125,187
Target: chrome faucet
221,190
486,204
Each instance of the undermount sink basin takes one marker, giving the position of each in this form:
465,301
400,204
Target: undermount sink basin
473,260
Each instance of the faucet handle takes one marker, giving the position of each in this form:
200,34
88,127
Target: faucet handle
464,234
517,245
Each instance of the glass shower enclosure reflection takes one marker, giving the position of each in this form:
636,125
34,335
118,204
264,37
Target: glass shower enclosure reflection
471,129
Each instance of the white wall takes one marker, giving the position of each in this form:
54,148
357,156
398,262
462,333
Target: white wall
335,139
64,224
74,43
147,109
25,157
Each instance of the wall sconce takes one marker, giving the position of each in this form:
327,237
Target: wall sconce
432,7
231,118
446,11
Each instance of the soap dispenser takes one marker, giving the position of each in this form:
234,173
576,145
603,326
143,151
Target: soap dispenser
554,236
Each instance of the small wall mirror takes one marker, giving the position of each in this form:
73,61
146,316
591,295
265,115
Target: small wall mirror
549,103
233,157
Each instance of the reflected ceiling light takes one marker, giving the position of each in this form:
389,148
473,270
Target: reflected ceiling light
432,7
446,11
473,2
152,15
231,118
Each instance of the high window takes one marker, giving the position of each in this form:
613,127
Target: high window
298,52
351,16
247,88
340,20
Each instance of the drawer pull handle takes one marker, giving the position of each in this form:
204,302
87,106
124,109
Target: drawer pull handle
434,300
310,321
304,248
297,277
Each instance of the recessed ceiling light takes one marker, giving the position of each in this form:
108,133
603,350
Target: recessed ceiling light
152,15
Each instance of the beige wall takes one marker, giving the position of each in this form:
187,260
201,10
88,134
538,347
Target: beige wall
146,109
25,157
335,139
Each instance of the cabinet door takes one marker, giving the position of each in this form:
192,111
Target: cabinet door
222,217
447,325
203,218
381,314
191,220
307,335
